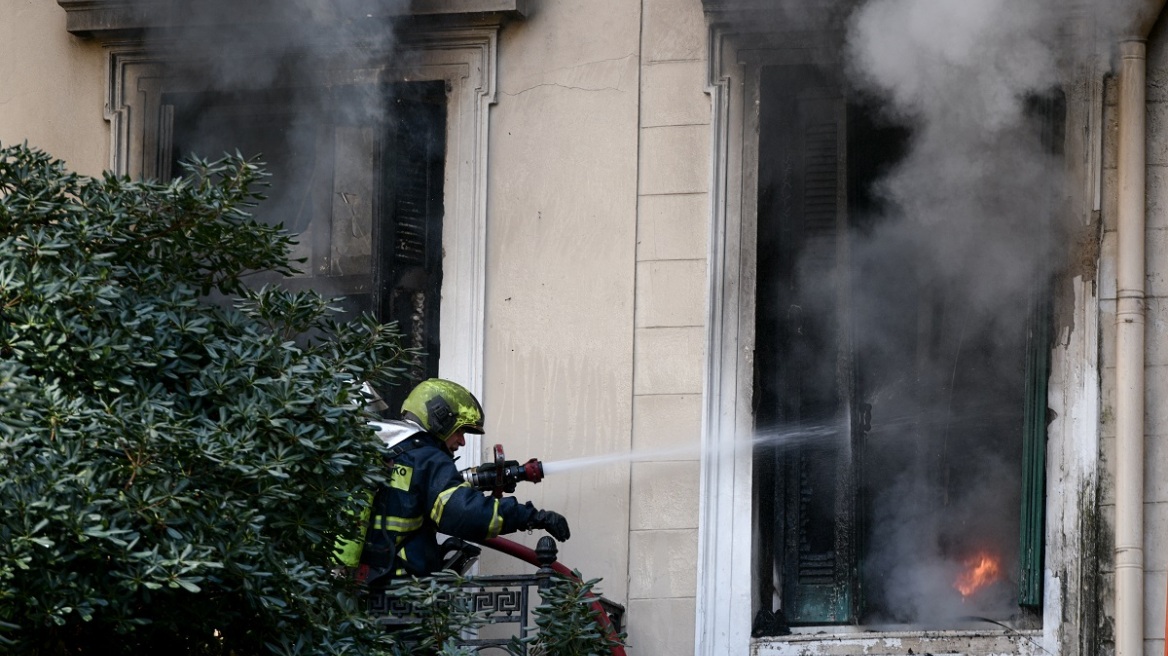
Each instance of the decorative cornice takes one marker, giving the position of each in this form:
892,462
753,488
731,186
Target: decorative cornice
117,18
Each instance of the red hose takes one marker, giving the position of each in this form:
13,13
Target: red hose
528,555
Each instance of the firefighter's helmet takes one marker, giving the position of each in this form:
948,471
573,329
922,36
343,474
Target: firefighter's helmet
443,406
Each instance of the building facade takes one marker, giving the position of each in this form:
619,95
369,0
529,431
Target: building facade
838,324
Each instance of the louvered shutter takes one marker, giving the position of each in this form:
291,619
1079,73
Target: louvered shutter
410,260
820,551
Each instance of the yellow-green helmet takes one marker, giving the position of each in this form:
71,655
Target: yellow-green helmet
442,407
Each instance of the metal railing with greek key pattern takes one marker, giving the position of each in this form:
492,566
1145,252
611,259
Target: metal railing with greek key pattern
503,600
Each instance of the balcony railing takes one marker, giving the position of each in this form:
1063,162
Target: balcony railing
505,601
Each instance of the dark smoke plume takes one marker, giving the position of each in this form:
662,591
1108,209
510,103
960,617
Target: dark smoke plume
962,245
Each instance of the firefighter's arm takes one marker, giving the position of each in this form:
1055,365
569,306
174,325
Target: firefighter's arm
465,512
462,511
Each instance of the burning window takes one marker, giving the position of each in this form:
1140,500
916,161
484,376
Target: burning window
357,173
900,402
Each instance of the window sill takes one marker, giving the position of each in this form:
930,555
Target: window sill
857,640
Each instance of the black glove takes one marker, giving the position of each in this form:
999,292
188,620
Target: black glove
554,523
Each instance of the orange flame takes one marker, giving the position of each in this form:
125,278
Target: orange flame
980,571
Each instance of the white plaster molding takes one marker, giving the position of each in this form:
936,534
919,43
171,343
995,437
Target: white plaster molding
129,69
724,524
465,59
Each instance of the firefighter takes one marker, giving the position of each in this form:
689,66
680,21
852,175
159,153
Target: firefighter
426,495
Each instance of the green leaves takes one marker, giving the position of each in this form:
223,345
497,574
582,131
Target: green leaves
443,612
174,471
567,622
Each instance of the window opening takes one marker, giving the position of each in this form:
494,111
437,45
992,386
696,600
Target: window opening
902,428
805,360
357,172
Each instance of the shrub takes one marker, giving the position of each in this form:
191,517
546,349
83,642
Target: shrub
442,613
567,622
174,471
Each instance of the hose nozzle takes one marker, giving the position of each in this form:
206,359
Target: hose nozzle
501,475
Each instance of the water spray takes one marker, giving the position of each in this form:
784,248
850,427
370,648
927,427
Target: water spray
501,475
779,437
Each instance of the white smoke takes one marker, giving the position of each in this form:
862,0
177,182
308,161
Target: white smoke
973,207
954,63
977,187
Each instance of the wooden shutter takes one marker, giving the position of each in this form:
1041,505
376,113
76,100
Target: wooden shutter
804,349
1034,456
1050,111
410,260
820,546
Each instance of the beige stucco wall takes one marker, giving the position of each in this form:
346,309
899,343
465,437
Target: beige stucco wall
51,86
672,229
561,236
596,288
1156,344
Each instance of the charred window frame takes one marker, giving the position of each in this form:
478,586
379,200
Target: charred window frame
820,489
459,54
362,189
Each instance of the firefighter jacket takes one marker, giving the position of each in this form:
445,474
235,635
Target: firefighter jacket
426,495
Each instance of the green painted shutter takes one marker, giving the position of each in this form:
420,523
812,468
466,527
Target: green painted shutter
1034,455
1049,110
804,354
